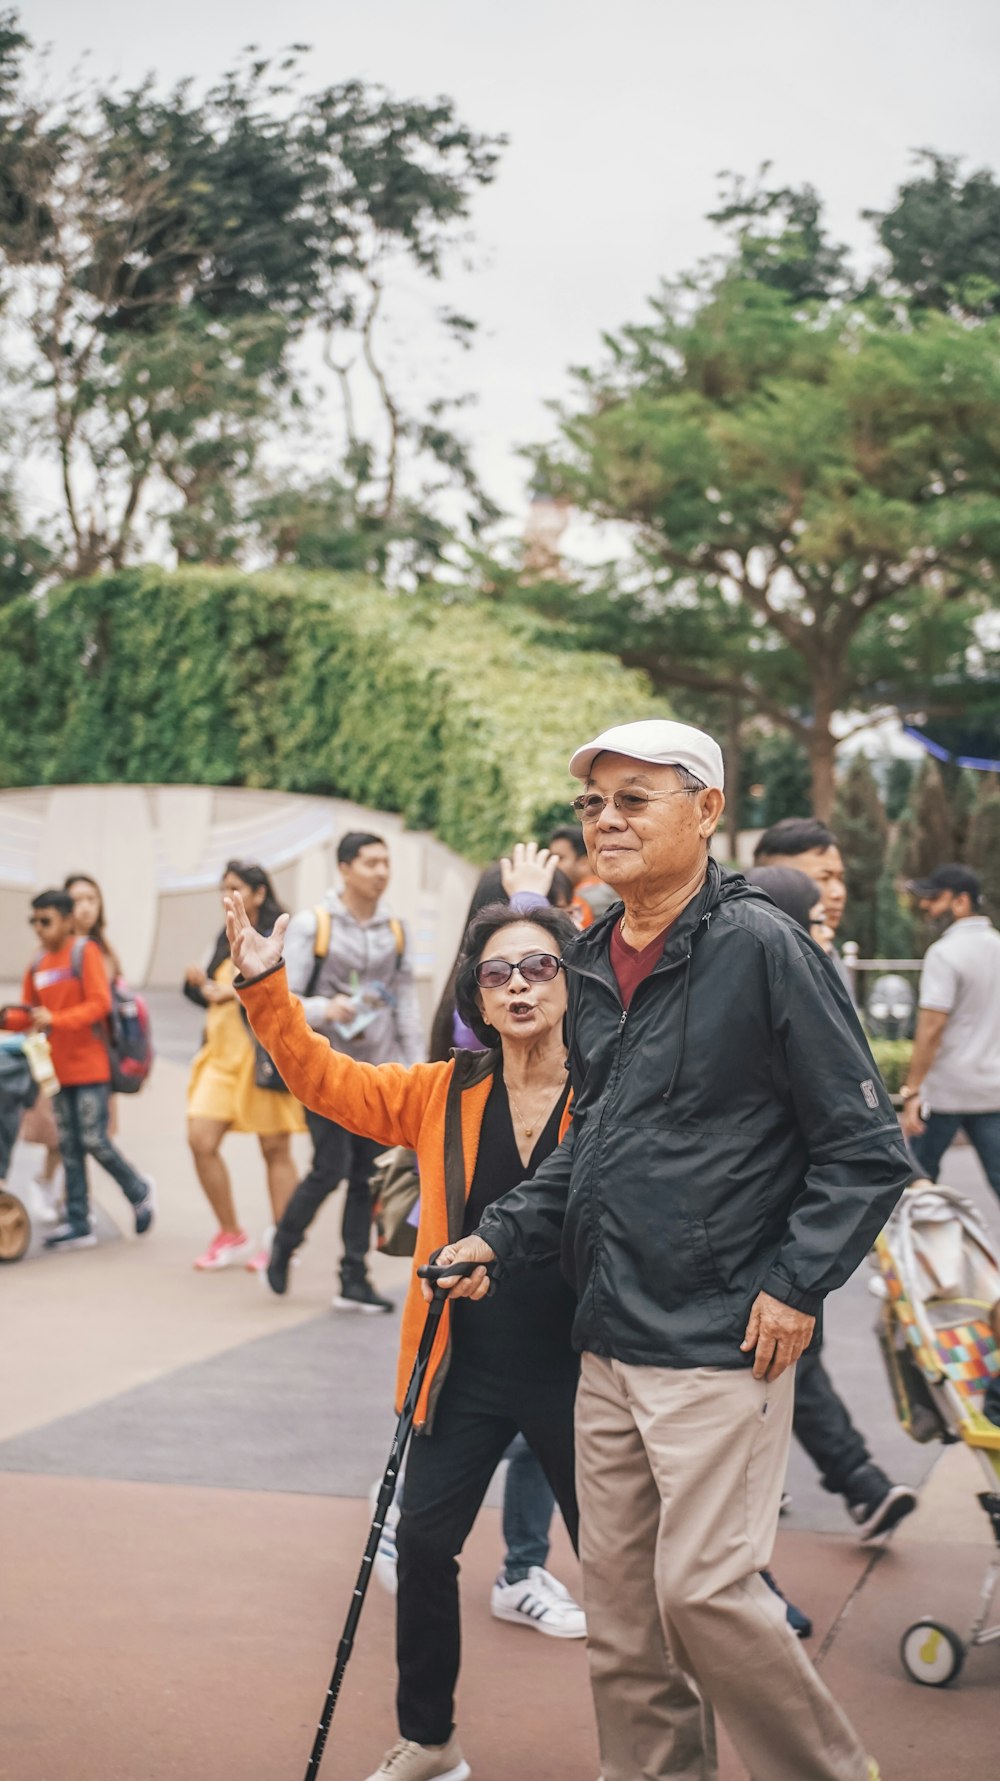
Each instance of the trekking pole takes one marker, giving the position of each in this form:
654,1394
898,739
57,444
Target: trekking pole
400,1442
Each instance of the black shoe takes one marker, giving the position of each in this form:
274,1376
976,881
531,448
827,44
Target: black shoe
875,1504
279,1262
71,1236
800,1623
360,1295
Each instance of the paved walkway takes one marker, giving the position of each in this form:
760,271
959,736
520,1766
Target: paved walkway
183,1468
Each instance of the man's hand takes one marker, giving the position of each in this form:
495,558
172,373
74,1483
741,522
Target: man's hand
777,1333
41,1020
910,1122
252,953
530,868
339,1011
196,976
471,1286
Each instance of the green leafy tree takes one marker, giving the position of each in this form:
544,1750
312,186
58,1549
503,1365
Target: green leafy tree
811,486
942,237
984,842
167,251
859,822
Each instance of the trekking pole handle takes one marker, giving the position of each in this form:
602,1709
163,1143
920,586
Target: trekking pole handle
448,1271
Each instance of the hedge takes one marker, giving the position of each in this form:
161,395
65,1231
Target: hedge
461,717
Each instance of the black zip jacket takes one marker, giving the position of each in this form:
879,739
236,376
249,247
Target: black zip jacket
730,1133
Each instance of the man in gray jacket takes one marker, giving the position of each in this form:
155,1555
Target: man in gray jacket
349,962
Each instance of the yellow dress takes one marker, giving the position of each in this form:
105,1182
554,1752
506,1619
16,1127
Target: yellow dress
222,1086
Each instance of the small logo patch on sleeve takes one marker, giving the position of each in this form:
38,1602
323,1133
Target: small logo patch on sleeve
870,1093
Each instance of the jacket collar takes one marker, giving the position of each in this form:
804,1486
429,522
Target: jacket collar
590,955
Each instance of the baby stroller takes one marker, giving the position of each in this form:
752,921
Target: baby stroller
942,1277
17,1091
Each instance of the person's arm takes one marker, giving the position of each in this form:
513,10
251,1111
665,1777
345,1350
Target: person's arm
856,1165
381,1101
95,1004
936,1000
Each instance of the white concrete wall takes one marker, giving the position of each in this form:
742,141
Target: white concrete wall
158,853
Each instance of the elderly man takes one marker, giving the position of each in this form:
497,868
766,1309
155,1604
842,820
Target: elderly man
732,1156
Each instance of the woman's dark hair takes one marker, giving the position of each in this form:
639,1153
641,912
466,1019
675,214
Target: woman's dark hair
794,892
255,878
488,892
480,931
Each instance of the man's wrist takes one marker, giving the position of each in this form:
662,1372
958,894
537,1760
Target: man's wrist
907,1092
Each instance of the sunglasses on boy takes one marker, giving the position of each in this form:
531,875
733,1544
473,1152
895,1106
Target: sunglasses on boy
535,967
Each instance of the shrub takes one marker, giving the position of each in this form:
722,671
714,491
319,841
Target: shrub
893,1059
460,717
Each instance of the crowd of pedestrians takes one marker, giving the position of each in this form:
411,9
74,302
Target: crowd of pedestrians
648,1112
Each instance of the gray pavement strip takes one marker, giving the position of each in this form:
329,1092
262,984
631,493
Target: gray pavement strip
307,1409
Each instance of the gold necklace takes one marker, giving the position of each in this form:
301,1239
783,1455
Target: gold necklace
528,1130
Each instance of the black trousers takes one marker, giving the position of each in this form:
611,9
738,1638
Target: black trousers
336,1153
447,1476
821,1423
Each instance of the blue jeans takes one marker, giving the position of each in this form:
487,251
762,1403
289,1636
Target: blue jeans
82,1118
982,1131
528,1502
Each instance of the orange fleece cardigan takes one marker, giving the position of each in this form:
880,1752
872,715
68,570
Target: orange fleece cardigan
436,1110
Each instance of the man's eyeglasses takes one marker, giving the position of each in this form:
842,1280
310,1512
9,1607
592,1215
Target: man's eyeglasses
535,967
40,921
589,807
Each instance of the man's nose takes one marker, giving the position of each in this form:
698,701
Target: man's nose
610,817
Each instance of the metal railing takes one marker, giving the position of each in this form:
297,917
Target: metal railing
854,965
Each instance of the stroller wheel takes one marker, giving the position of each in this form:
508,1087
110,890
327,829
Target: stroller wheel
931,1653
15,1227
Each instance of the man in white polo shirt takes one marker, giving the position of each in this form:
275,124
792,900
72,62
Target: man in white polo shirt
954,1077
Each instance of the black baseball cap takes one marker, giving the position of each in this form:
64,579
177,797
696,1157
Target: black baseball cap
947,878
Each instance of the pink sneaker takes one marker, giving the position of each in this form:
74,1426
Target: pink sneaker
225,1248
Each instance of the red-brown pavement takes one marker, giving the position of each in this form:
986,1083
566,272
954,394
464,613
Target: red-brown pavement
181,1629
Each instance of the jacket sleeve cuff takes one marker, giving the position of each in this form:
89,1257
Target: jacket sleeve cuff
778,1286
242,983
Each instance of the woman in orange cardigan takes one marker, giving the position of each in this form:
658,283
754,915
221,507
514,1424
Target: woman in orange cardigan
479,1124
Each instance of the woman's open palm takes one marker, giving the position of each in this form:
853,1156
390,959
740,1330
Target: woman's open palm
251,953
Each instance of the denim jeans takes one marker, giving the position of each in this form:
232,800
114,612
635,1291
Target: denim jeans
982,1131
528,1503
82,1118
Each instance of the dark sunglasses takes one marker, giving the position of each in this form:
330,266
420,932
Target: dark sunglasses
40,921
535,967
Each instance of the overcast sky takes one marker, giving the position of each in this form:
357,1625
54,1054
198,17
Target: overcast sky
620,114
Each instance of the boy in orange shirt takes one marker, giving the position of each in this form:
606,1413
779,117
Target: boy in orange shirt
66,995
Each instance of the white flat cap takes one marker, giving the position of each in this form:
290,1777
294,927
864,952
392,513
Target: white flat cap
660,741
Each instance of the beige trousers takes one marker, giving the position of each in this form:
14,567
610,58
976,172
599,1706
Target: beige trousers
679,1475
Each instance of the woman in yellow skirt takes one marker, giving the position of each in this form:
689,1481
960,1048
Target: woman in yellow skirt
223,1093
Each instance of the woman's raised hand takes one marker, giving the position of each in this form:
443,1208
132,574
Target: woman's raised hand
251,953
530,868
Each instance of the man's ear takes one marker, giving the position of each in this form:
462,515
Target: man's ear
713,803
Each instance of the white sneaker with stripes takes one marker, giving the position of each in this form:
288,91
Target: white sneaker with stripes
540,1601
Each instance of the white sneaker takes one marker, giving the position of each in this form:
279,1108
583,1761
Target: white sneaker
540,1601
407,1761
47,1200
386,1556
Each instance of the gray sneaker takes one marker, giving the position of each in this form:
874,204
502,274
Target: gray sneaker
145,1209
407,1761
